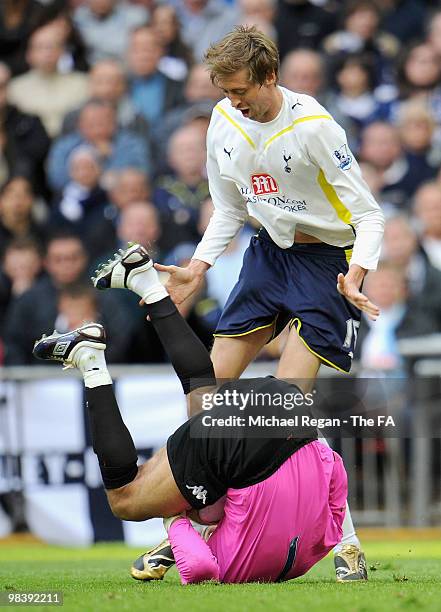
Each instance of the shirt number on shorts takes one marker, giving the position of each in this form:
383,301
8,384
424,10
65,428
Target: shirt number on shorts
351,333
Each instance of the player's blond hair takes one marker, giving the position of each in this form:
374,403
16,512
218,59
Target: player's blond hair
244,47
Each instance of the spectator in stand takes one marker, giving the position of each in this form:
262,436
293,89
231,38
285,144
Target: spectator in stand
146,4
80,303
24,142
43,90
434,32
18,18
200,97
196,16
419,71
108,82
22,263
402,248
427,209
178,196
200,310
124,187
137,222
74,57
417,130
373,177
105,26
151,91
377,343
82,201
76,304
20,268
16,213
97,127
245,12
355,93
402,316
361,34
303,71
178,56
419,75
65,264
199,88
404,19
380,146
304,23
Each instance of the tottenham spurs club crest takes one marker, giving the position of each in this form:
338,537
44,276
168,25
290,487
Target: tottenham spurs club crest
263,184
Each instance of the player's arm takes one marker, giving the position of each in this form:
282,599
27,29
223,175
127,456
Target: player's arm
194,559
228,217
328,149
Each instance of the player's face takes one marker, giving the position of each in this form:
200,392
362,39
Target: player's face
258,102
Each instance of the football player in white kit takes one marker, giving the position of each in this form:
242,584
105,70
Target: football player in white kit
279,157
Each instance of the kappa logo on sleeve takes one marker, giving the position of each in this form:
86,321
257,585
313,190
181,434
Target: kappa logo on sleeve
263,184
342,158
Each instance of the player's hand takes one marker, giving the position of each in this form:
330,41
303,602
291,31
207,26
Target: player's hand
182,282
348,286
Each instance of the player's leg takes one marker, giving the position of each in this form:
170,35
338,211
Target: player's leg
133,493
133,269
297,364
249,318
326,327
153,492
232,355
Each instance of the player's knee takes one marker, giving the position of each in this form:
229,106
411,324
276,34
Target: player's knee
124,507
118,506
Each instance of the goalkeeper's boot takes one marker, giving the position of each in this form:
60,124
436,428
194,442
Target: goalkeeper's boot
350,564
67,347
132,269
154,564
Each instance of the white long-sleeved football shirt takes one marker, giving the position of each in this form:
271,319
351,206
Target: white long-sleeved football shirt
294,172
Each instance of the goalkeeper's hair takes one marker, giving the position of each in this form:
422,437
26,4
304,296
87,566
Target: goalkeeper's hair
244,47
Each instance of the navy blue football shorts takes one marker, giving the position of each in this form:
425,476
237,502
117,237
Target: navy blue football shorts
296,287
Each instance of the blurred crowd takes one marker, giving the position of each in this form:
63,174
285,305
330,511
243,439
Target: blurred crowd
104,108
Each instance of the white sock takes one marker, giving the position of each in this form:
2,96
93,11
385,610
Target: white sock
92,364
349,535
148,286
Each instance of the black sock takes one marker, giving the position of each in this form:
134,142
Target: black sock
189,357
111,439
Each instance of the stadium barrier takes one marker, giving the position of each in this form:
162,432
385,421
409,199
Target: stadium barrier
50,481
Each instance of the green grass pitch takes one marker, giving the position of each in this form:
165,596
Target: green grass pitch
404,575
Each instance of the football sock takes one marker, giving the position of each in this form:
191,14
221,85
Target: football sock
111,439
92,364
349,535
189,357
147,285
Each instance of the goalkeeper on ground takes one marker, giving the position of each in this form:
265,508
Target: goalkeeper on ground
279,497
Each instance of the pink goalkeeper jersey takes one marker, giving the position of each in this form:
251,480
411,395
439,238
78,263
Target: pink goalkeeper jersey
274,530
